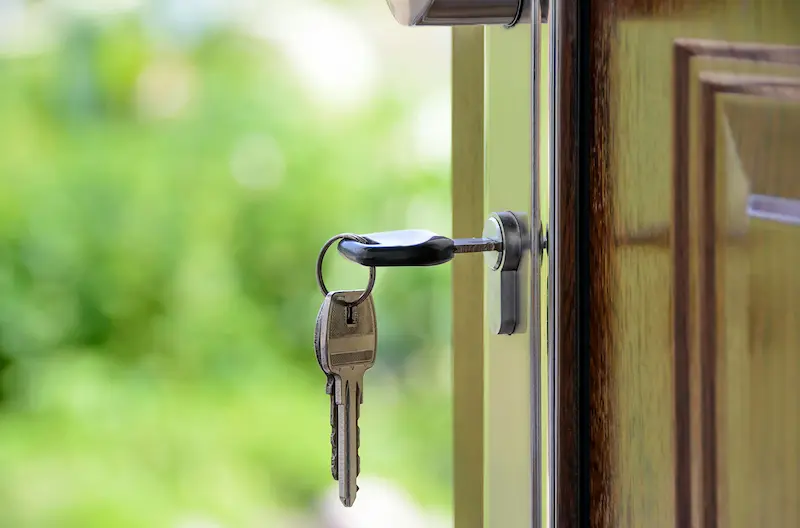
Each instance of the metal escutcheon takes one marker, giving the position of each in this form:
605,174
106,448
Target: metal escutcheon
505,309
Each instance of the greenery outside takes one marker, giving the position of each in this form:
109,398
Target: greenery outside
165,187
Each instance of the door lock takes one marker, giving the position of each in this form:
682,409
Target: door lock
505,240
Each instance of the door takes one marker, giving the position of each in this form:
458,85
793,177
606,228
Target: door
499,388
675,240
666,393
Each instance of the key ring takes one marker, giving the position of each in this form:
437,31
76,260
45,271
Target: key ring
321,282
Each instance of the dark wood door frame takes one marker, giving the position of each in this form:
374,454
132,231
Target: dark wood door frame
571,264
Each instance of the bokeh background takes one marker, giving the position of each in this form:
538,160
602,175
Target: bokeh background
168,172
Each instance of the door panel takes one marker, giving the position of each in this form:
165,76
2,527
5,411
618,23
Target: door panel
508,375
677,124
705,71
748,267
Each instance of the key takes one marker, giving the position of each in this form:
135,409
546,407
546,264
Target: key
329,386
347,339
346,343
413,247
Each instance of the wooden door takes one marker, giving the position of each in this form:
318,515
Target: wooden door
675,258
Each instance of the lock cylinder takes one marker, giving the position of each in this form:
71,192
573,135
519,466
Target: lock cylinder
460,12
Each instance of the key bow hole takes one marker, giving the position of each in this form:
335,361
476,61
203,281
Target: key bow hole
350,316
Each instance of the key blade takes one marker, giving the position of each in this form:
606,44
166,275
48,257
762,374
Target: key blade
348,441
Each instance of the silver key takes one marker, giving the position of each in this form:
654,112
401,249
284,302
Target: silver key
346,343
329,386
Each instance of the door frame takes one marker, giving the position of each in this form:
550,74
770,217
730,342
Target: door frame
569,331
468,325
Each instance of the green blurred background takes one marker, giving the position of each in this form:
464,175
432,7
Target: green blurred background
168,172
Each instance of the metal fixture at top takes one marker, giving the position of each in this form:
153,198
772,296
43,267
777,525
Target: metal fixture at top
460,12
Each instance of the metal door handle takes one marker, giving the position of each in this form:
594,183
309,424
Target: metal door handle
460,12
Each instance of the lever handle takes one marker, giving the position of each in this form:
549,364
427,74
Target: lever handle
413,247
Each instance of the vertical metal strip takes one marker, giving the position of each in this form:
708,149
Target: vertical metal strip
552,279
552,305
537,518
468,272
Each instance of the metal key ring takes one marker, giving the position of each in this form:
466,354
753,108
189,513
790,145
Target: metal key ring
321,282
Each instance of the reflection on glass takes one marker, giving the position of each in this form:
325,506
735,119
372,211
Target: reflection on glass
773,208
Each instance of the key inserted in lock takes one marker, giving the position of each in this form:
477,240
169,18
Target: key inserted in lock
505,239
413,247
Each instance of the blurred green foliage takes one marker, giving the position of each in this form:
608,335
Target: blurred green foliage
156,312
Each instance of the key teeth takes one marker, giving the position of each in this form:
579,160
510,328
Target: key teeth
334,425
334,456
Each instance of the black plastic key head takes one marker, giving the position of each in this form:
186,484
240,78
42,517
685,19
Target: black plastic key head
414,247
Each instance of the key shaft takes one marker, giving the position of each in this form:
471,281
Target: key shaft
349,387
476,245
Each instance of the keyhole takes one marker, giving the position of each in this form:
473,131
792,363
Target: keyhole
351,316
